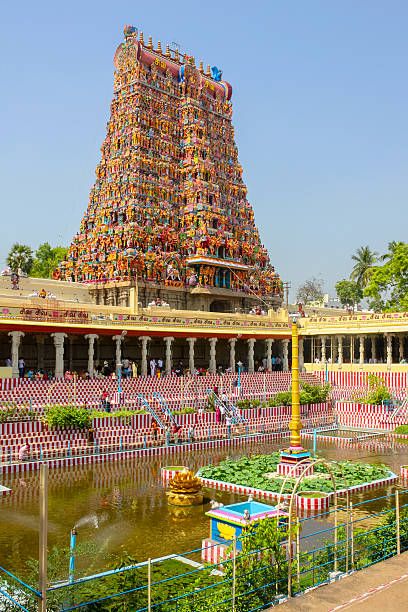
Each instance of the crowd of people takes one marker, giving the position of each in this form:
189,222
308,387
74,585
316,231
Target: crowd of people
129,369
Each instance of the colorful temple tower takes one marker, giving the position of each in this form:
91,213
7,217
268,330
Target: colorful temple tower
169,208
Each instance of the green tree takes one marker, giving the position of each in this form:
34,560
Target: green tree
47,259
388,286
261,571
349,293
20,257
310,291
391,248
365,260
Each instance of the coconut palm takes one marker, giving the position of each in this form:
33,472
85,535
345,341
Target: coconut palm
391,249
20,257
365,260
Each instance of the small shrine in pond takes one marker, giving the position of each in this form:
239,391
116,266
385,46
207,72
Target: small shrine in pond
169,206
229,522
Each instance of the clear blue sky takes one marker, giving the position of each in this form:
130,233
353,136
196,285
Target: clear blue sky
320,111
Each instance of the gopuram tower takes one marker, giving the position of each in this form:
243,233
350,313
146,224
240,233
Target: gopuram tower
169,208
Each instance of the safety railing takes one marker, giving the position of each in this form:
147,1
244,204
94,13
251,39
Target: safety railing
250,574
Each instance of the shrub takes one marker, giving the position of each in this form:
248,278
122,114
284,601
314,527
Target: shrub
119,414
67,417
401,429
186,410
244,404
377,393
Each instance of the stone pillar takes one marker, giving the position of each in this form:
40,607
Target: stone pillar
334,349
213,355
232,343
70,352
167,366
301,356
91,351
269,343
389,349
144,340
118,351
59,353
285,359
191,364
123,297
98,351
110,297
40,351
361,357
15,344
323,351
251,362
401,347
340,349
373,349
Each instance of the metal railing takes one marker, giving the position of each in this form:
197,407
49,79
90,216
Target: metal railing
246,578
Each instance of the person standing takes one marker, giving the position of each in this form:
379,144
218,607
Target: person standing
134,370
152,367
126,368
228,423
21,367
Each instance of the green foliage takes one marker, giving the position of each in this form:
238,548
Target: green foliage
20,257
244,404
10,411
388,286
349,293
377,392
123,582
47,259
118,414
309,394
259,567
258,472
401,429
185,410
365,260
67,417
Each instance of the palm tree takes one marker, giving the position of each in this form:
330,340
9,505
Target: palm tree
20,257
365,260
391,250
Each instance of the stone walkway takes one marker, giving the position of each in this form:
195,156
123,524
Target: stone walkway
382,587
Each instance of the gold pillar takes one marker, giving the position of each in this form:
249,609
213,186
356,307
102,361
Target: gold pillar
295,424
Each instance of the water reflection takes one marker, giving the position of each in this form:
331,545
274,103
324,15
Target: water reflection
122,506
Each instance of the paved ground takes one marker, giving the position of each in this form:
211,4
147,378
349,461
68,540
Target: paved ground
382,587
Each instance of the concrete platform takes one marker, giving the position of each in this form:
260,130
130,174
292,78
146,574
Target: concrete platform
381,587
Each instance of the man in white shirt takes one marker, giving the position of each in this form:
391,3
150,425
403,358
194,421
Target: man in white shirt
21,367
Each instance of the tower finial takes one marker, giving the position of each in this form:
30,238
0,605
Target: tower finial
168,51
141,38
150,43
192,61
159,47
177,55
201,67
208,71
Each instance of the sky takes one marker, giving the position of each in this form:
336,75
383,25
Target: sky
320,95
